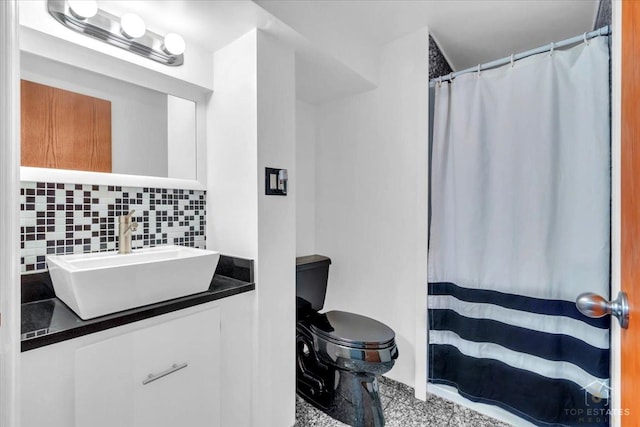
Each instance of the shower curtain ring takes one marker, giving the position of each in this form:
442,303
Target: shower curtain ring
585,39
551,50
512,60
478,70
450,77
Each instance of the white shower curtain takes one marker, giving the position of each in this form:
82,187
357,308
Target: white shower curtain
520,225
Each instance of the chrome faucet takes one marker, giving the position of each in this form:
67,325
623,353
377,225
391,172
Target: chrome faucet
125,227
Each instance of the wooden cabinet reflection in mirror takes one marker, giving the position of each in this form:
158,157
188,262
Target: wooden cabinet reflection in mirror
64,130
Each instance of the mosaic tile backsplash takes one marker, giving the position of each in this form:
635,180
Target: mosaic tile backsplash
61,219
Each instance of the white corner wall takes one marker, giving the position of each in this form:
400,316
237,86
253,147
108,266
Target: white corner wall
306,179
251,118
371,201
275,395
232,186
232,151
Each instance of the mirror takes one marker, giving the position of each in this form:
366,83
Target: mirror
152,134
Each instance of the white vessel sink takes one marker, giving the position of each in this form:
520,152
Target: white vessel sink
96,284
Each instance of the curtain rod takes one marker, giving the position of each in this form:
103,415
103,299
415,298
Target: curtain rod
606,30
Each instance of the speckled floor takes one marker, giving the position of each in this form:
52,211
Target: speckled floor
402,409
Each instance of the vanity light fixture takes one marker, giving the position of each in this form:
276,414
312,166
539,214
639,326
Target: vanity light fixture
128,32
83,9
132,26
173,44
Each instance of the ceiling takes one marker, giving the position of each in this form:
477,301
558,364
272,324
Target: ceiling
349,33
468,31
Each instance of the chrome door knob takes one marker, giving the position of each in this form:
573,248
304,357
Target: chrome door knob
594,305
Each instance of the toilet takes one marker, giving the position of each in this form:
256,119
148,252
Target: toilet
338,353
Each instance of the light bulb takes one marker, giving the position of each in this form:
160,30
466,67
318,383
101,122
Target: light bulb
173,44
132,26
83,9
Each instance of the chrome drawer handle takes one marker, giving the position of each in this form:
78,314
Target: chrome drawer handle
152,377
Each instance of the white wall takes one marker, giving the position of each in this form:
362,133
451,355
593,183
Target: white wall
306,179
138,114
252,123
347,47
9,225
232,156
232,151
616,205
276,236
371,200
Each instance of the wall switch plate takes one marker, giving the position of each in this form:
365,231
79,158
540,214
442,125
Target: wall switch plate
275,182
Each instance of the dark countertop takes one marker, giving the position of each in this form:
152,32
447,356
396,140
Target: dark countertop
47,320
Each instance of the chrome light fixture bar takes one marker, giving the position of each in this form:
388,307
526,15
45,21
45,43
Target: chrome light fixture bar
108,28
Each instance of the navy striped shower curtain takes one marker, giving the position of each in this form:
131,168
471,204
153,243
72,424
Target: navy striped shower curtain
520,226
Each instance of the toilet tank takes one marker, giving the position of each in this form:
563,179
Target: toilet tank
312,273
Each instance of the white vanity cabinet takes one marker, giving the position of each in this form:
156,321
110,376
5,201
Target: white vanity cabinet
163,375
97,379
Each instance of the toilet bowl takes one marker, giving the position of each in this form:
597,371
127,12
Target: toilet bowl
339,353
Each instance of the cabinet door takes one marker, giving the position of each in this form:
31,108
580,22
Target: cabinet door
112,376
46,384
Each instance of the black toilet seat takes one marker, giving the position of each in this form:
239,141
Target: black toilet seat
352,330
